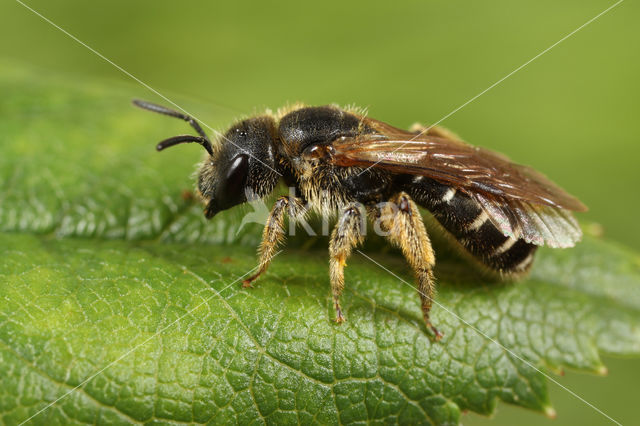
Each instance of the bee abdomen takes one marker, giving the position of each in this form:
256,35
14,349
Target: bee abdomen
465,219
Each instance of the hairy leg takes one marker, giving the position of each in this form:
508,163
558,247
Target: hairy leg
274,232
438,131
400,219
347,234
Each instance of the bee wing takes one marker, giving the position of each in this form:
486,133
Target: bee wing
520,201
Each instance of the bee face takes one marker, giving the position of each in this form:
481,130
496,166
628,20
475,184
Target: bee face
242,166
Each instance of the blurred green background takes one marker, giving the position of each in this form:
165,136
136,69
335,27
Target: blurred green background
572,113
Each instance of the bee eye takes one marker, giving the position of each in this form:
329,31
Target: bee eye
236,177
230,189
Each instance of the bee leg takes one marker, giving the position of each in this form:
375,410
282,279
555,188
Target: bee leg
274,232
402,223
437,131
347,234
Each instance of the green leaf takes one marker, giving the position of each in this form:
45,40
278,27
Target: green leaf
107,269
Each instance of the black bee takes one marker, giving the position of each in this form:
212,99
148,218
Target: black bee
340,160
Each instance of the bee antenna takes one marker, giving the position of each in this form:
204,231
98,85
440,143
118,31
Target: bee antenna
185,139
173,113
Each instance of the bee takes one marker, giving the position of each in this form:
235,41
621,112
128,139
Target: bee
338,159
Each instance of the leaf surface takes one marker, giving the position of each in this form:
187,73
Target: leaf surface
107,269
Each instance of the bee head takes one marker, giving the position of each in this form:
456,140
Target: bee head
241,168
